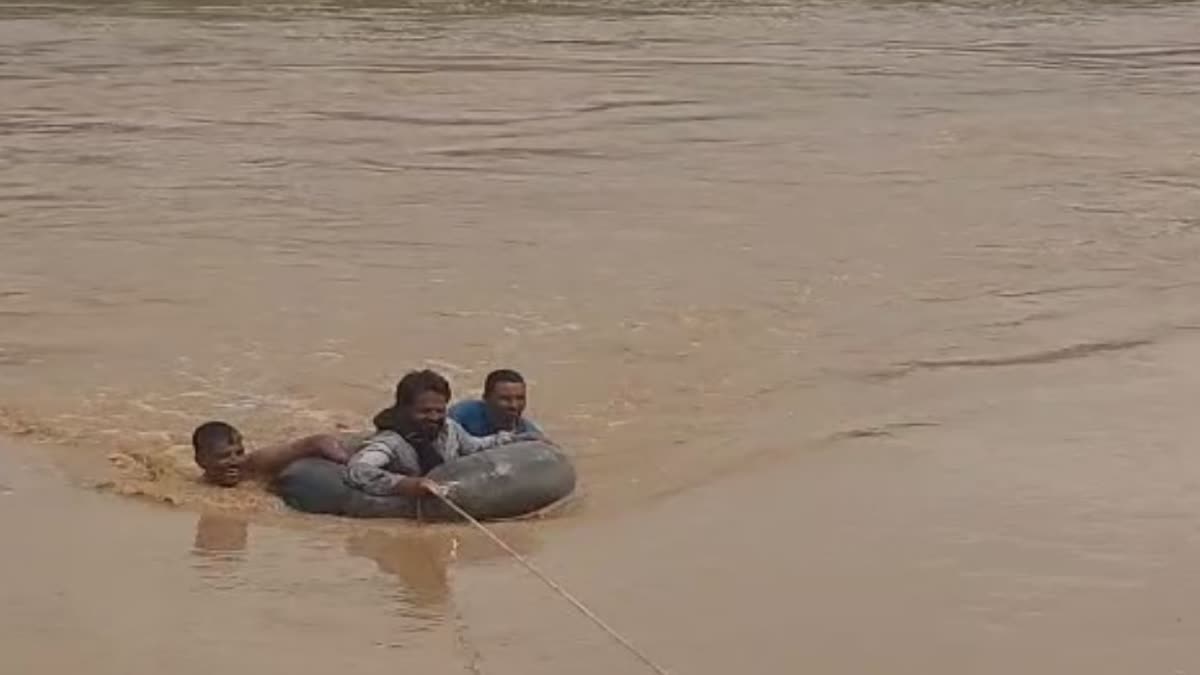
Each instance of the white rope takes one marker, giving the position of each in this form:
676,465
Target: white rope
556,588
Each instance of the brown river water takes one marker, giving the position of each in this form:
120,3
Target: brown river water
873,329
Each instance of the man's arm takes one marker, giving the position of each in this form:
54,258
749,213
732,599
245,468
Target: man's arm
469,445
367,471
272,459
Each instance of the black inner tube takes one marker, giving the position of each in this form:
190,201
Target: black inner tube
505,482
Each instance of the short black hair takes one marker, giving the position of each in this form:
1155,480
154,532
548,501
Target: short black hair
497,376
418,382
409,387
212,435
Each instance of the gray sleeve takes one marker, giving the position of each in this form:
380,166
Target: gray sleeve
367,469
469,445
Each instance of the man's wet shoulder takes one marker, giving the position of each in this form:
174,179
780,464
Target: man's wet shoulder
353,440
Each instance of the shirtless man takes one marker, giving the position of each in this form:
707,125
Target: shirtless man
221,453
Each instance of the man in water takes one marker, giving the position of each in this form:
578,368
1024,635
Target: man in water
501,408
221,453
414,436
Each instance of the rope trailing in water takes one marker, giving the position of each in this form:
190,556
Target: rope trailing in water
556,587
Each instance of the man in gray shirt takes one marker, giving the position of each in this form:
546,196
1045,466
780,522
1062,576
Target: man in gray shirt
414,436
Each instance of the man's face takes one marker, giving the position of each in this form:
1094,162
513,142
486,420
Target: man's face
427,415
506,403
222,464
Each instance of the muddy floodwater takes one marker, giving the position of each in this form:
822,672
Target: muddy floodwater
873,329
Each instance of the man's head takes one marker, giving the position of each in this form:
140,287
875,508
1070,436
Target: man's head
219,451
504,394
421,400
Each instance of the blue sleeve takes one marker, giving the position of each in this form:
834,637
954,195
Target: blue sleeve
468,415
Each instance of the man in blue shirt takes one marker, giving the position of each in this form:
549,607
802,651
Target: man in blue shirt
500,409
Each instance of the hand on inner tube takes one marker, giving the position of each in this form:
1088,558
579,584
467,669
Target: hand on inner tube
434,488
415,487
526,436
